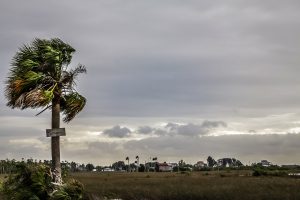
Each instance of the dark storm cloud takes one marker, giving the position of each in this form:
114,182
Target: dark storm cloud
166,59
163,58
117,131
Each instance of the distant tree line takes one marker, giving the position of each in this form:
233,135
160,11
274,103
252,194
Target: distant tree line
224,162
8,166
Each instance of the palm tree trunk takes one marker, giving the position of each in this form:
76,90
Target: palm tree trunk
55,146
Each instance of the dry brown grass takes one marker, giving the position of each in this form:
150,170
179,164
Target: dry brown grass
197,185
2,177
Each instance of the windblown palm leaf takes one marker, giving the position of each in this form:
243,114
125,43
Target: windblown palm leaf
71,104
68,77
39,73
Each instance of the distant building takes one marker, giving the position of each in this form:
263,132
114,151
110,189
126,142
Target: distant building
150,166
200,164
224,162
229,162
265,163
173,165
108,169
164,167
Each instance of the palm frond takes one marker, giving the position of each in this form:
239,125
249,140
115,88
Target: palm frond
65,49
68,77
20,90
35,69
34,99
71,105
24,60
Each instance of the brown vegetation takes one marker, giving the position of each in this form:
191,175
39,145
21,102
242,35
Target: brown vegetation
196,185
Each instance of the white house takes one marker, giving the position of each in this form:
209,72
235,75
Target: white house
108,169
164,167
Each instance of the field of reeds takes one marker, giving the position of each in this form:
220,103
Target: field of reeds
211,185
215,185
1,180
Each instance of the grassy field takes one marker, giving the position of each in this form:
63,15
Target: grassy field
1,180
223,185
197,185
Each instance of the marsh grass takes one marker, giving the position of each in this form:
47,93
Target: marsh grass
196,185
2,178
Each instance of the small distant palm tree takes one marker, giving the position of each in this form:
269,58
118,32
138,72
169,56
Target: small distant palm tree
137,162
39,78
127,158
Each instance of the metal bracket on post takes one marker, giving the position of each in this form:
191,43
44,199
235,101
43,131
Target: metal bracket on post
55,132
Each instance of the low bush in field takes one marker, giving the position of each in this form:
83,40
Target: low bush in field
268,172
34,182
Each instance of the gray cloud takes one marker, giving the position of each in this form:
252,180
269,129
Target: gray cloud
145,129
188,129
213,124
159,61
117,131
203,129
191,130
251,131
210,55
193,60
161,132
172,126
280,149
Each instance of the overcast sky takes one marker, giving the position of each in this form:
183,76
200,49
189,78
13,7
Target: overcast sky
166,78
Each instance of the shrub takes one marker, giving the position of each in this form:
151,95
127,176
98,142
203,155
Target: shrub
206,174
1,188
72,190
267,172
33,181
186,173
30,182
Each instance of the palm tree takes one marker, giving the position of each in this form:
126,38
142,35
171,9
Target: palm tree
127,158
40,78
137,162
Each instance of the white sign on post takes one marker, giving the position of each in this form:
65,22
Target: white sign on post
55,132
